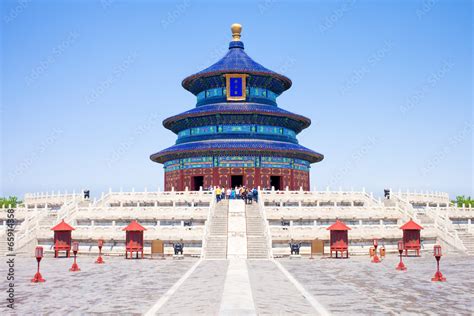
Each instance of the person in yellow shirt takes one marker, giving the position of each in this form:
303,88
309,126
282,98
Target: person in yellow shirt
218,194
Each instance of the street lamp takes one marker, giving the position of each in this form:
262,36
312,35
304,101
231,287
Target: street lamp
375,258
438,275
100,244
401,266
39,255
75,249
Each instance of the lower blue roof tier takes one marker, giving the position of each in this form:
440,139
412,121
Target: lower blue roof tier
237,147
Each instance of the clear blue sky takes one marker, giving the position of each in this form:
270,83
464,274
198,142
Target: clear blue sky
86,85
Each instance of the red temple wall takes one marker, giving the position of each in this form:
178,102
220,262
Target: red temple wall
252,177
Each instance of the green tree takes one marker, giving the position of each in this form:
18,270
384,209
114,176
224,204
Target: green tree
11,200
461,199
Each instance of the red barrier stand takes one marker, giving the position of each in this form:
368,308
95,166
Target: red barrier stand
375,258
339,241
39,255
411,237
100,243
401,266
75,249
62,238
134,239
438,277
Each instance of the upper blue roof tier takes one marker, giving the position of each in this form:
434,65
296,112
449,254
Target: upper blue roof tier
235,61
237,147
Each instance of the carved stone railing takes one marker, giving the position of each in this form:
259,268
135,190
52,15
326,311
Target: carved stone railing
321,196
267,232
445,228
205,236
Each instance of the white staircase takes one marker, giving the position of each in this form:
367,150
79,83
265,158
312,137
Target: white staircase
445,230
424,219
216,244
40,219
256,241
468,241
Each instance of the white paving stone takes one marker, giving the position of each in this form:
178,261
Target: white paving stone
357,286
118,286
201,293
352,286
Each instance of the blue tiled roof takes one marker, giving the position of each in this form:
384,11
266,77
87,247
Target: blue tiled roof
235,61
229,146
236,108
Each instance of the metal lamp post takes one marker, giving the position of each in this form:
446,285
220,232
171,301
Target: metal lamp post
401,266
39,255
100,244
438,275
75,249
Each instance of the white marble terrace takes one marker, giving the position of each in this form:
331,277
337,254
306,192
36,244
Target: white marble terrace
301,215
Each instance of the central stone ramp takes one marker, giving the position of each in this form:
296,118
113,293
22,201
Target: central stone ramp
216,245
237,296
273,293
237,232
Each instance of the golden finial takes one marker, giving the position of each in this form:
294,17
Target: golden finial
236,29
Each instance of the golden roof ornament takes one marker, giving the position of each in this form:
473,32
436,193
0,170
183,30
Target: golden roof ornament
236,30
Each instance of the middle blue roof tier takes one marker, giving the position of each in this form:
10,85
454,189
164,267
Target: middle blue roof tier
236,61
235,113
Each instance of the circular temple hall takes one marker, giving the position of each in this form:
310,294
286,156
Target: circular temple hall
237,135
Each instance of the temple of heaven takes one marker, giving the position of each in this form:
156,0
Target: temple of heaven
236,135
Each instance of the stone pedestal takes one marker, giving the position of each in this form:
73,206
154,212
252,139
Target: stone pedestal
178,257
295,256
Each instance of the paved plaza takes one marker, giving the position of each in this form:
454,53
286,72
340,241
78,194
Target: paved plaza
341,286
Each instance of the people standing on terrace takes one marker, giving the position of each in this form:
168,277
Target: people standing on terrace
255,194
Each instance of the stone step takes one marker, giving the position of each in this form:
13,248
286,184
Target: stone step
218,232
213,252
